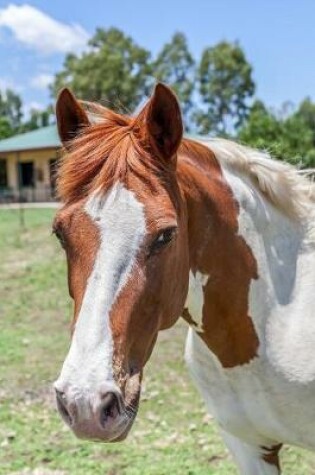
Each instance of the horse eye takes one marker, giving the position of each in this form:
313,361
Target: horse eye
164,238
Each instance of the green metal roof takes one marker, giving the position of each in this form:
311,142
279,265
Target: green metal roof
46,137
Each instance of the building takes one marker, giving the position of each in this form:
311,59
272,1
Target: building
28,165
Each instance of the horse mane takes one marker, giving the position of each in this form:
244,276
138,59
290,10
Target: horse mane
107,150
286,187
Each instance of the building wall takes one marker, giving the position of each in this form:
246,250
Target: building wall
40,159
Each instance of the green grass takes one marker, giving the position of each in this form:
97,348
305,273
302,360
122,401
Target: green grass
172,433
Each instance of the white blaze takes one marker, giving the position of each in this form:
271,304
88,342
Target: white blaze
121,221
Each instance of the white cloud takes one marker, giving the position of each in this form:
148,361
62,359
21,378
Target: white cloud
9,83
39,31
35,105
42,81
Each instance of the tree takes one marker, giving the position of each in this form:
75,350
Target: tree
5,128
297,142
306,112
114,69
288,138
175,66
299,130
38,118
262,129
11,108
225,85
11,116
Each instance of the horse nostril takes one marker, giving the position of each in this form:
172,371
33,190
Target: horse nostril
62,406
110,407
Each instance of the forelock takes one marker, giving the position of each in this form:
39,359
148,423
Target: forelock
107,151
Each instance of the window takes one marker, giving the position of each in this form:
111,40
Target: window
3,173
26,174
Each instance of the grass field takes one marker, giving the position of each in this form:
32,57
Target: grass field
172,434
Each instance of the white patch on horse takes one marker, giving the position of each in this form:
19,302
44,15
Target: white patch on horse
121,221
268,400
195,297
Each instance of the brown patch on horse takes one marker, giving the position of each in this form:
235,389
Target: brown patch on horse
271,455
81,241
217,250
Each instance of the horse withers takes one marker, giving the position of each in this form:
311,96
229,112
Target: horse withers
156,227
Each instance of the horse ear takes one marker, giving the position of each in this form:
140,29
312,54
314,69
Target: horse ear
71,116
164,122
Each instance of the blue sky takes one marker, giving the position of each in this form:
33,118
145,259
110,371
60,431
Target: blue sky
278,37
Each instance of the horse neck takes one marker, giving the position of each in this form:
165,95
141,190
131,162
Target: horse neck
231,221
281,300
249,251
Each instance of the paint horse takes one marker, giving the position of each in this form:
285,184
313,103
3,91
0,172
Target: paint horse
156,227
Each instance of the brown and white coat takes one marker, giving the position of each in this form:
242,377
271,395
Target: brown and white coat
156,227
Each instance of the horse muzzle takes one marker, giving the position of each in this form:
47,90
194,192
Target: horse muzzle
104,417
